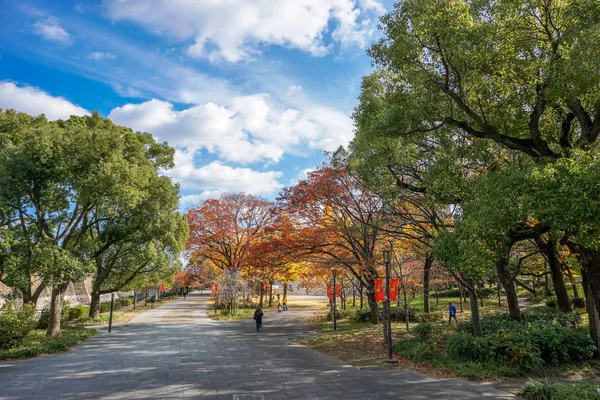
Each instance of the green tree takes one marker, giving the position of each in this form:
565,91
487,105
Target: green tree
53,176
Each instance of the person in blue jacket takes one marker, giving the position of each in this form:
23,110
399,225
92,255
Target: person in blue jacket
451,313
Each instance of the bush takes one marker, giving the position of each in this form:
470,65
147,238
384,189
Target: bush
468,347
432,316
104,307
558,343
364,315
578,302
423,331
546,390
15,324
340,314
397,314
518,349
413,349
78,312
551,303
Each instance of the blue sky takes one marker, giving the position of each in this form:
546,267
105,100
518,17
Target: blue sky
249,92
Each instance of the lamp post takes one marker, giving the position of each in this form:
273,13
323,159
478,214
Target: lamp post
334,272
386,260
112,304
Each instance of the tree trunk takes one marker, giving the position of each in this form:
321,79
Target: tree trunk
94,305
56,304
285,288
262,293
590,274
372,302
475,317
550,251
502,268
360,292
572,280
426,275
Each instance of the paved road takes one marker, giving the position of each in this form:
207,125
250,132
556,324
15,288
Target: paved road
176,352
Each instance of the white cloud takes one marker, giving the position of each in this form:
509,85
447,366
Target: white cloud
249,130
34,101
234,30
216,177
50,29
99,55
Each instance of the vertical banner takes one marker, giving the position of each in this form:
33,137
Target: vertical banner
219,288
393,289
338,290
213,289
329,290
379,293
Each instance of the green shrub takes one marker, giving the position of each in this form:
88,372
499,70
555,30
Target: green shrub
104,307
413,349
578,302
549,316
397,314
340,314
423,331
468,347
558,343
518,349
432,316
551,303
15,324
363,315
76,312
546,390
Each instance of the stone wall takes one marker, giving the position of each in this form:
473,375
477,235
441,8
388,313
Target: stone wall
78,293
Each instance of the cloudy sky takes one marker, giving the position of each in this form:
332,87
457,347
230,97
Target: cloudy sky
249,92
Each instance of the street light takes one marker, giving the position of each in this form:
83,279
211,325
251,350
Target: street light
334,272
386,259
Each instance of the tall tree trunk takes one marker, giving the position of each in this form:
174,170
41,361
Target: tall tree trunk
94,304
285,289
360,292
56,304
426,275
372,302
502,267
475,317
270,293
590,274
550,251
262,293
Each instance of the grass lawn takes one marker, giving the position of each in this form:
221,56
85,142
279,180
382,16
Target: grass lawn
37,343
102,319
221,315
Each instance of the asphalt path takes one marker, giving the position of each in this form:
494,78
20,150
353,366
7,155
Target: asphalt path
177,352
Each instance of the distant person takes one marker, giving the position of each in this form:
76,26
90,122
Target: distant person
278,297
258,316
184,294
279,307
152,300
451,313
284,304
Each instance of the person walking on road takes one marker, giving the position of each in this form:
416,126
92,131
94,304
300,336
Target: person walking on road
152,300
284,304
258,316
451,313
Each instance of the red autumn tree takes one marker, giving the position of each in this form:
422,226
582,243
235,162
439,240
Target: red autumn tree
223,230
337,223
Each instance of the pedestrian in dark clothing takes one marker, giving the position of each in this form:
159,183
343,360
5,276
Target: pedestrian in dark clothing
451,313
152,300
258,316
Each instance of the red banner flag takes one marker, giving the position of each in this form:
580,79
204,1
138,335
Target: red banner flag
213,289
379,294
393,289
338,291
329,291
219,288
